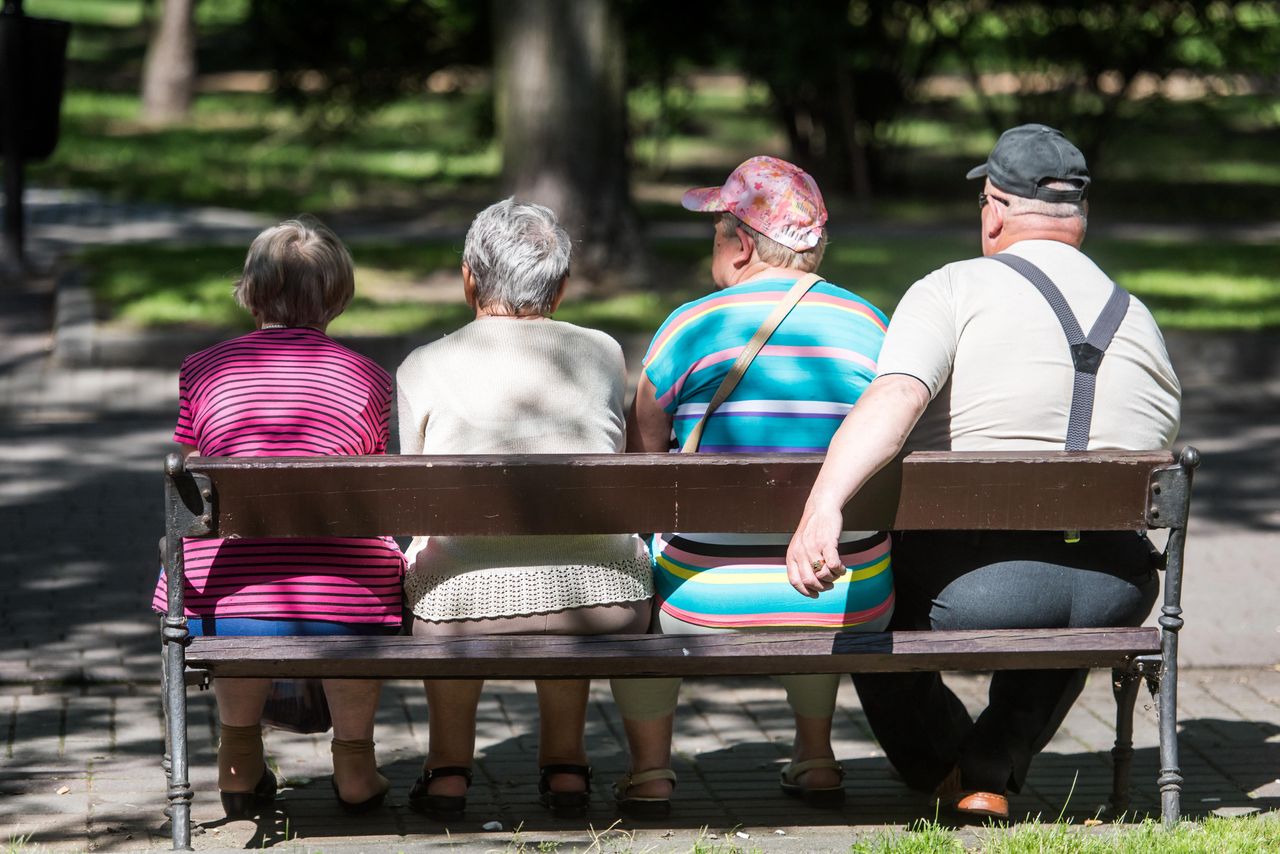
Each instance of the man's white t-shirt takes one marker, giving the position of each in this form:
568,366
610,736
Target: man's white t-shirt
990,350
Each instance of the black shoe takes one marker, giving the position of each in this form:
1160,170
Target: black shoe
358,807
248,804
564,804
439,807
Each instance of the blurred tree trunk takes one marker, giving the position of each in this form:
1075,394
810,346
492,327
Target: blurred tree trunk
169,70
560,94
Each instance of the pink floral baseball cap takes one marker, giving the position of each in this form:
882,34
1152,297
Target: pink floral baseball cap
776,198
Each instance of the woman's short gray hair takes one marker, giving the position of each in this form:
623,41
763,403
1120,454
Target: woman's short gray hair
297,273
771,251
518,255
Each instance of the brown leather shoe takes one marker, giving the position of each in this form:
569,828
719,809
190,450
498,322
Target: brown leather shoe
949,789
987,804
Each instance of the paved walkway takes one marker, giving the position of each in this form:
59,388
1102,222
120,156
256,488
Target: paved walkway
80,453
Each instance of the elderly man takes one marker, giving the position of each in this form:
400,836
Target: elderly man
975,360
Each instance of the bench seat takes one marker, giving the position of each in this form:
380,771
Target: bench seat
602,656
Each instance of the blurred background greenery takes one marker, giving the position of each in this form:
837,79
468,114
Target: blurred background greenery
387,110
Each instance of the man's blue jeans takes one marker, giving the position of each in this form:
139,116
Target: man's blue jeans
961,580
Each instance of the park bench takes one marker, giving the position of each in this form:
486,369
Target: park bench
497,495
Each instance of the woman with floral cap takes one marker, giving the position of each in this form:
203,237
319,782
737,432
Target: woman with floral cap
770,232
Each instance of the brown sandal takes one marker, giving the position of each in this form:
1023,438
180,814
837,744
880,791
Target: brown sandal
639,806
819,796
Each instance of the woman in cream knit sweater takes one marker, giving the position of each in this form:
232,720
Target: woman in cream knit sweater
516,381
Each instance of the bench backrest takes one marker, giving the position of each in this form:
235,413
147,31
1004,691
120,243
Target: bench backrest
556,494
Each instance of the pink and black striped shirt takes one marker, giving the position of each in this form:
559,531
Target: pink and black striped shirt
278,393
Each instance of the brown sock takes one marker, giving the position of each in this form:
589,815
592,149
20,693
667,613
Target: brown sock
355,769
240,760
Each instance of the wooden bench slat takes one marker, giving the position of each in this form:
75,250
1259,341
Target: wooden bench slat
600,656
619,493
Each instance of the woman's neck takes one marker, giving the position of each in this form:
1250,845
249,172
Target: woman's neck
483,311
286,326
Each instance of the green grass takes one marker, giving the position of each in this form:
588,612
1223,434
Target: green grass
128,13
1209,160
410,288
243,150
1250,835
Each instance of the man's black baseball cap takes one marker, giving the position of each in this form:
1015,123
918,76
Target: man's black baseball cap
1028,156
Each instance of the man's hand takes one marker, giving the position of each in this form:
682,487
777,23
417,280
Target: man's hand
871,434
813,558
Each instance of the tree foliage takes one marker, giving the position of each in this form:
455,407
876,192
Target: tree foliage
840,72
335,59
1074,65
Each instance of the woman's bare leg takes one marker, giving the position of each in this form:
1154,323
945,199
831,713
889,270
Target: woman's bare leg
812,698
451,728
562,718
650,744
813,741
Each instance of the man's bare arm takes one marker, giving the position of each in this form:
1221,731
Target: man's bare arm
872,434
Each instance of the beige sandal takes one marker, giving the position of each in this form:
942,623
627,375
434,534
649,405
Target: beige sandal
643,807
820,796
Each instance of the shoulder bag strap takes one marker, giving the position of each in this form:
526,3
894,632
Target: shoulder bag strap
1086,350
730,381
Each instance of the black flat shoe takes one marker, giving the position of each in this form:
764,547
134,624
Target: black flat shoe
564,804
439,807
248,804
358,807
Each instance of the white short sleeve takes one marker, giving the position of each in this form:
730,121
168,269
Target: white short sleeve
922,336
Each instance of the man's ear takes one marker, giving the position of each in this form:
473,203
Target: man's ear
746,248
997,222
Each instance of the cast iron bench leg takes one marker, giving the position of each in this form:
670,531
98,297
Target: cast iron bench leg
175,702
176,635
1125,683
1170,780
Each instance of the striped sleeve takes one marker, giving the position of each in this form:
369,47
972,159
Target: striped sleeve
184,433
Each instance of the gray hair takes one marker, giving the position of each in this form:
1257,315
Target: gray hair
1022,206
518,254
297,273
771,251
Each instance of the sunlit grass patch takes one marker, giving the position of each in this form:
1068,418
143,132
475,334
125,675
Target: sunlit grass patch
408,287
246,151
1213,835
1200,284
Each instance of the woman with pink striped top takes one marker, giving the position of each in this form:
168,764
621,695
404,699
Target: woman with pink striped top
287,389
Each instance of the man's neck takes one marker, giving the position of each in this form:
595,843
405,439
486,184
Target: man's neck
1070,235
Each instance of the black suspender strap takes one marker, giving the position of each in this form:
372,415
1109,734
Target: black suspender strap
1086,351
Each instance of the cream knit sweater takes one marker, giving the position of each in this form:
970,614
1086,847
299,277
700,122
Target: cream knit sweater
504,385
